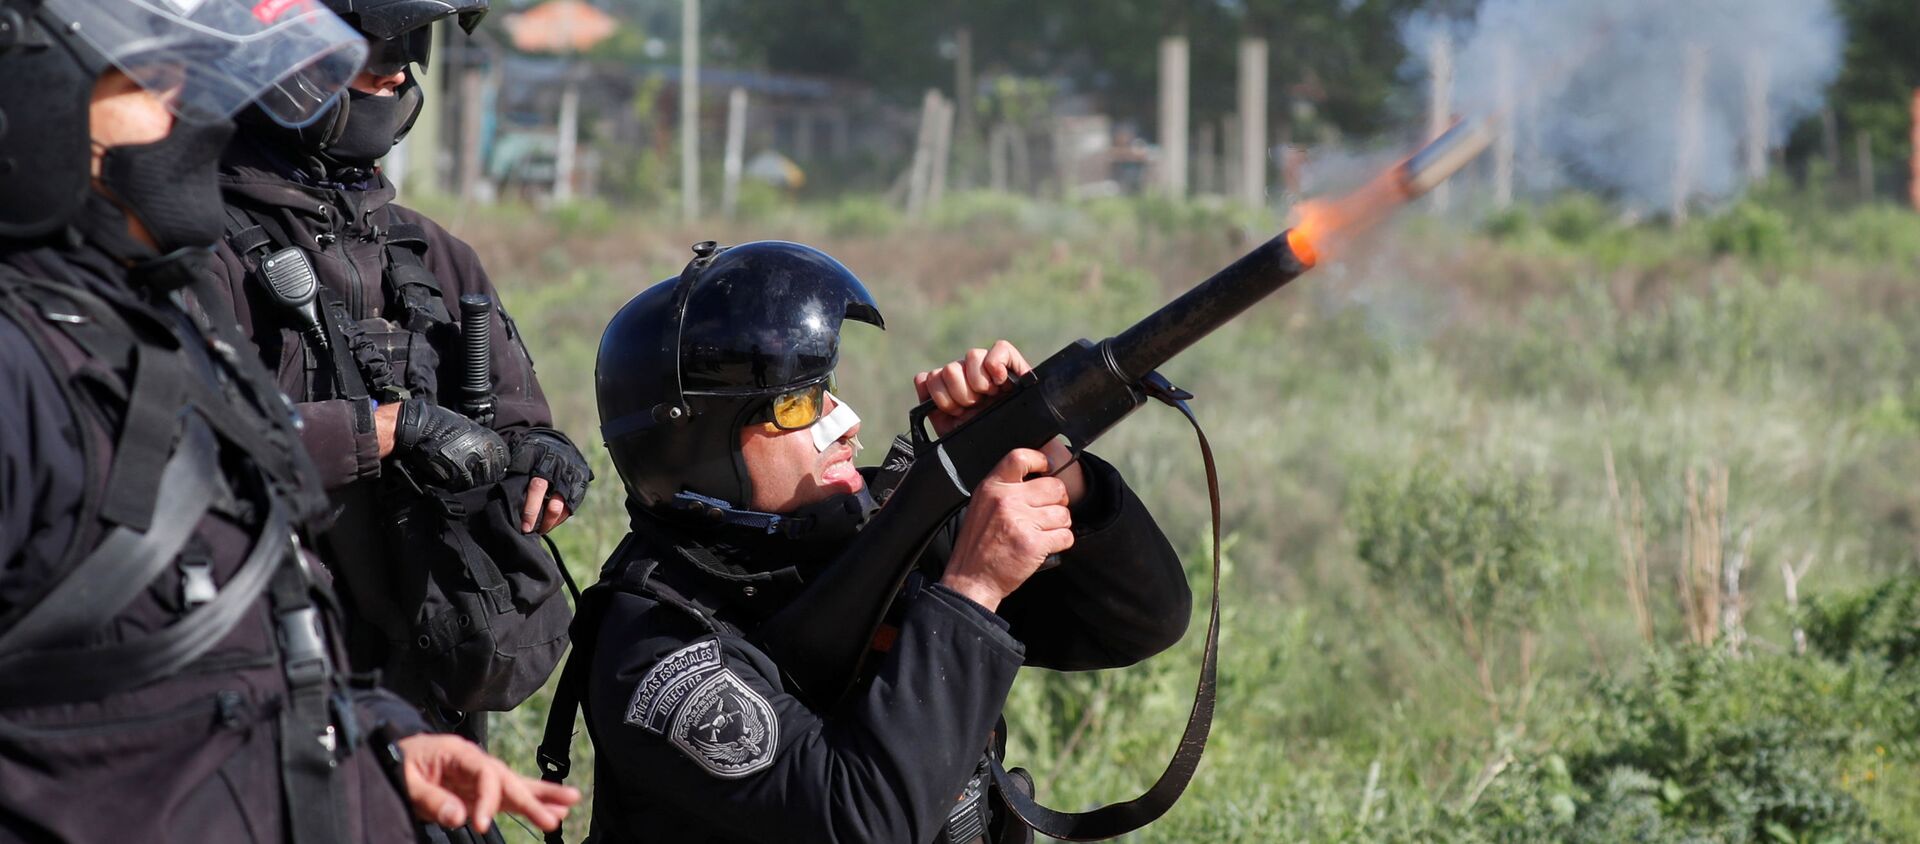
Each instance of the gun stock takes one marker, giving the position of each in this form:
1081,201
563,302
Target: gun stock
820,640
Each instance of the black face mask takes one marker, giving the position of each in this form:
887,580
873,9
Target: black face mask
373,125
172,185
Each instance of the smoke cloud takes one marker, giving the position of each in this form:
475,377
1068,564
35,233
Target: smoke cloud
1603,96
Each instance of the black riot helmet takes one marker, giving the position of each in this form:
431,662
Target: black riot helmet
685,365
398,29
361,128
209,58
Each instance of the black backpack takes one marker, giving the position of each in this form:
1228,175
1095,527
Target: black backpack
484,624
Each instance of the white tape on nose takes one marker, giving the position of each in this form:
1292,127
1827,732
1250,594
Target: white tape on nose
833,426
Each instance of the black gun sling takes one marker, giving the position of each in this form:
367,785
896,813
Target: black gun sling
1118,819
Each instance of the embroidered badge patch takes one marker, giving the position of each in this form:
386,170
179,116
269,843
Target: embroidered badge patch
707,711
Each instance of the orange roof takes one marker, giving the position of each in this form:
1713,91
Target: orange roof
560,26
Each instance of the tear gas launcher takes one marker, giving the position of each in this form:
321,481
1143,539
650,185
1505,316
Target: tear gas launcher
821,639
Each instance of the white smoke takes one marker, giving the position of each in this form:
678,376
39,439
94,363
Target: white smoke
1599,85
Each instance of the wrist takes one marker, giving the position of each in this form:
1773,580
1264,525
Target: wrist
975,590
386,418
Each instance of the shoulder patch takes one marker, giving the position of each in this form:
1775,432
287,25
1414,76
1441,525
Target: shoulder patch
700,706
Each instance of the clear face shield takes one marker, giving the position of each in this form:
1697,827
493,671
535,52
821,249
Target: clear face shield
213,57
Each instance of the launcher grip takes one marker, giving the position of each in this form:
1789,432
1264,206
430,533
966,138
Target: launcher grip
476,364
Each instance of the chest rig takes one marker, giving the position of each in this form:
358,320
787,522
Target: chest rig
383,348
176,427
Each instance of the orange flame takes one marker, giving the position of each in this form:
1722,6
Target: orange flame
1323,227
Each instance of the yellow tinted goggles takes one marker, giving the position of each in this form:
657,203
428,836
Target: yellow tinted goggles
796,409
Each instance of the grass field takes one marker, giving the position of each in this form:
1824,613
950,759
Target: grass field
1512,510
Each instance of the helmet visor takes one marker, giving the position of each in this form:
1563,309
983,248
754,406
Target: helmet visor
392,55
213,57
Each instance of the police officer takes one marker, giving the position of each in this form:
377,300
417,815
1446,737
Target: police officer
716,401
375,362
169,666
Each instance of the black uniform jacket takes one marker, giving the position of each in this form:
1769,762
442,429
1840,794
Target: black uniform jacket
697,739
192,757
350,261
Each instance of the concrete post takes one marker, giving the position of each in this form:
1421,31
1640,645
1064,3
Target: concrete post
1253,122
690,109
1503,142
942,158
1440,102
1173,116
425,142
1693,91
473,114
1759,121
734,163
564,158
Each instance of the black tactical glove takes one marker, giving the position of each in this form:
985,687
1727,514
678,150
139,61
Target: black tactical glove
447,450
547,453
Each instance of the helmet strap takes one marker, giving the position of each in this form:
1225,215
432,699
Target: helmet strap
837,517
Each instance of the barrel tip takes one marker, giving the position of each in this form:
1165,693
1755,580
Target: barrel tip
1302,247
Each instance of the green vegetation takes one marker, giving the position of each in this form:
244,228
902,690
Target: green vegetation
1484,491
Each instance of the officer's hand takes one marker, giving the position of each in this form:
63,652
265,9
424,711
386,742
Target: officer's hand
963,388
558,469
452,782
445,449
1011,526
548,512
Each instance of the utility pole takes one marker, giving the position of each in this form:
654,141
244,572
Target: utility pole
1253,122
1173,115
690,109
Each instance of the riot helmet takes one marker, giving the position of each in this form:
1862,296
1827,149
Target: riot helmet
209,59
689,362
361,128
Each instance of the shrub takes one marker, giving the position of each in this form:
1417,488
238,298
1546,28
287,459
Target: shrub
1509,224
1741,749
980,209
861,215
1463,547
1752,231
1576,218
1883,622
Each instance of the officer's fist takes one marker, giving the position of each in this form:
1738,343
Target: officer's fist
445,449
1010,528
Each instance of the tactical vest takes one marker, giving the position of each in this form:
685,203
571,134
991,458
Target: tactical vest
184,441
386,359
